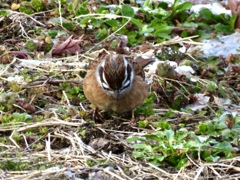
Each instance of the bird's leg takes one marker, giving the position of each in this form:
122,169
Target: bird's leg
97,116
133,119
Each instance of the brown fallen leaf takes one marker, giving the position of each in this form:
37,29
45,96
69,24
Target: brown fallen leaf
25,105
69,46
234,5
122,44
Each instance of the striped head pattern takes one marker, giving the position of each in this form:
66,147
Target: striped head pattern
115,75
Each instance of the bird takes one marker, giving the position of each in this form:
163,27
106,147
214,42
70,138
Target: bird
116,82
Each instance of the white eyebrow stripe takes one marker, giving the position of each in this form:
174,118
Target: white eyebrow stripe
126,75
103,64
106,86
127,83
132,75
126,64
104,78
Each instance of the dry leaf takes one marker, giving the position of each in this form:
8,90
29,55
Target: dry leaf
234,5
15,6
69,46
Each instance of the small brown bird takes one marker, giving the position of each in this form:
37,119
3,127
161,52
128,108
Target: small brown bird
117,83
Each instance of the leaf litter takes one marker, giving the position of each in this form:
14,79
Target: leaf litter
59,140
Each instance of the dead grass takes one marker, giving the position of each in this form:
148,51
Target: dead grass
73,161
76,158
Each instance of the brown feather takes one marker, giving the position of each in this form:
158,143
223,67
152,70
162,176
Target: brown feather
114,74
114,71
144,62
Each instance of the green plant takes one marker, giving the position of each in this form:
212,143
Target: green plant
146,108
173,147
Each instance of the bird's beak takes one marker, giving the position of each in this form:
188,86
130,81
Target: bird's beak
116,94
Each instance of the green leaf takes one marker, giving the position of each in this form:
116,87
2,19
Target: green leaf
163,5
37,5
173,159
48,47
30,45
145,30
74,90
163,125
63,1
132,37
146,107
68,25
232,21
224,147
190,24
207,15
142,124
144,147
192,144
135,138
147,3
182,7
84,22
157,137
178,102
82,9
182,163
203,34
26,10
204,26
212,158
102,10
137,22
101,33
223,28
127,10
170,135
182,133
175,4
137,154
185,34
52,33
164,32
3,13
96,23
228,134
170,113
21,117
212,86
203,128
160,157
158,24
111,22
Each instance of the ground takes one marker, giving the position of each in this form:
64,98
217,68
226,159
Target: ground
188,127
